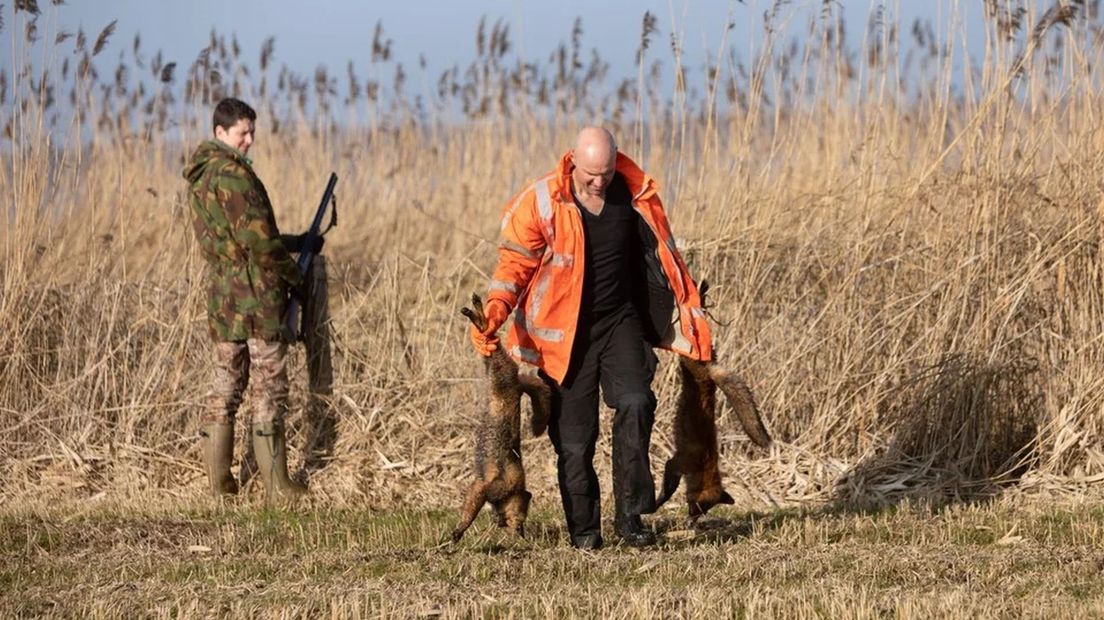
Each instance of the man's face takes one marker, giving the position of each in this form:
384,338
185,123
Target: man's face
239,136
592,178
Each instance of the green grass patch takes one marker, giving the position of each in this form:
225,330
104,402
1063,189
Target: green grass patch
226,560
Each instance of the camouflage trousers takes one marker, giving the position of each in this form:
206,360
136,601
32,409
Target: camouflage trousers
238,365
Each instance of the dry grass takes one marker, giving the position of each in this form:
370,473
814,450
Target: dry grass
1004,560
906,259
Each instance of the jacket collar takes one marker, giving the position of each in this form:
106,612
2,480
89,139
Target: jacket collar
640,184
235,153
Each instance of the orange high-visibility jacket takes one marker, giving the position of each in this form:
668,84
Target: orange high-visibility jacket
540,271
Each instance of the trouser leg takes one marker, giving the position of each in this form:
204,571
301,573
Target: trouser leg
573,428
231,375
627,366
270,396
268,362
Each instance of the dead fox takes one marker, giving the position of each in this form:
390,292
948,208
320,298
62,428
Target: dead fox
696,453
499,475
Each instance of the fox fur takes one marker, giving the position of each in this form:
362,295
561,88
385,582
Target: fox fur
499,475
696,457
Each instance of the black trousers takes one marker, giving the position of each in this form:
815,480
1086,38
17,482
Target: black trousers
610,352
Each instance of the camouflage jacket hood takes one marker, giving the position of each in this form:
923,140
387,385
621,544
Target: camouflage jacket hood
213,151
248,268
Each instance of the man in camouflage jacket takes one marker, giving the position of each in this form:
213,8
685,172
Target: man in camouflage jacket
249,275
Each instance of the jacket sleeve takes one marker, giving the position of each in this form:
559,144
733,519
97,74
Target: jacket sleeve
521,246
253,226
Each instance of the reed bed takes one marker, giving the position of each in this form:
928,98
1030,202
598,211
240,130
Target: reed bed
904,245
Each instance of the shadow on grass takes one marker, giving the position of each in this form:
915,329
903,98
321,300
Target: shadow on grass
963,432
714,530
487,538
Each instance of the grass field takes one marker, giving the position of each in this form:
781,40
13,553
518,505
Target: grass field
905,250
1003,559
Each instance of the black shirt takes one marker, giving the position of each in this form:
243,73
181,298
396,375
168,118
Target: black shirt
612,253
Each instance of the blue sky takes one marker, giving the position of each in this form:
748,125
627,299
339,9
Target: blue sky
333,32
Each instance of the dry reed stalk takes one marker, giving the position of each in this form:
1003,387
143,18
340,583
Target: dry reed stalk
861,230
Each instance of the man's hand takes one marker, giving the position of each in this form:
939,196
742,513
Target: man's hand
291,243
486,341
314,246
299,293
484,345
300,244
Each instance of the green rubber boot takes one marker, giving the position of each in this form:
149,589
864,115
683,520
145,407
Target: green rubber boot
271,451
218,454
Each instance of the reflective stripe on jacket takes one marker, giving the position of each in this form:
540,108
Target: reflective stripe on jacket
540,270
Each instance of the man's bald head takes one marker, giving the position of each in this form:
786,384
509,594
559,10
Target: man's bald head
594,148
595,159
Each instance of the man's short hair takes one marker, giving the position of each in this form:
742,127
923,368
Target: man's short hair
229,111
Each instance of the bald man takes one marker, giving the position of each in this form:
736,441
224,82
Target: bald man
589,267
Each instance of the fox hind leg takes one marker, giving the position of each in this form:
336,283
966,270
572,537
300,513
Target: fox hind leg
475,313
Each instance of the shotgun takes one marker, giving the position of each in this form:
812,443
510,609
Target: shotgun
293,319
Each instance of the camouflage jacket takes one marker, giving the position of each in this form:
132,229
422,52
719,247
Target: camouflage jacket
248,268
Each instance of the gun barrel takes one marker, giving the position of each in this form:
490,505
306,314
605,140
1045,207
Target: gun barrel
316,224
291,318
